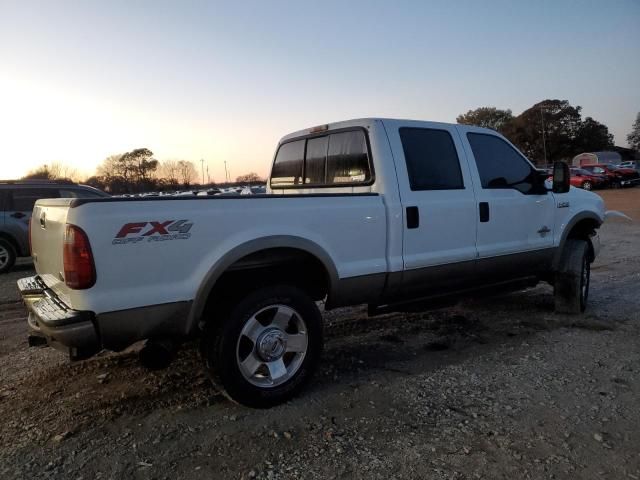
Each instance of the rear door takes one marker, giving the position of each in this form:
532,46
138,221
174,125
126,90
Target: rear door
19,205
439,206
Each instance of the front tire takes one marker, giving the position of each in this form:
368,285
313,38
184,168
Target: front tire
7,255
267,347
571,287
587,185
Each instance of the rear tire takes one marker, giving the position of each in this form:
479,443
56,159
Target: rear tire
266,347
587,185
7,255
571,286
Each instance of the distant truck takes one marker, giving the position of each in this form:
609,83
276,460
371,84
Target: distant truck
396,214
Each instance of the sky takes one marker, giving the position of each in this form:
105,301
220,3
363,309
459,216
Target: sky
82,80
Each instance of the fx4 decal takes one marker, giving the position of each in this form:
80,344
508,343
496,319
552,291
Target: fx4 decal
153,231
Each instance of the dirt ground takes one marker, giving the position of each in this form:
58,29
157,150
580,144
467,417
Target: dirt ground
492,388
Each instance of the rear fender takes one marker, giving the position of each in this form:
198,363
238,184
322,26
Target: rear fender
253,246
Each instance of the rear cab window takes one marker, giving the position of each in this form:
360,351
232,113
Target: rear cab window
335,159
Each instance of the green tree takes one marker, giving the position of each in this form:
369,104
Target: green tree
489,117
593,136
562,123
634,136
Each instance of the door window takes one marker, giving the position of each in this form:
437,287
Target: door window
3,200
499,164
22,199
431,158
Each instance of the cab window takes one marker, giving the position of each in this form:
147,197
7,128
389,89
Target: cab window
340,158
499,164
431,158
287,168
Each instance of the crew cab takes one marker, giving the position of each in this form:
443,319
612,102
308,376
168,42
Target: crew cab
395,214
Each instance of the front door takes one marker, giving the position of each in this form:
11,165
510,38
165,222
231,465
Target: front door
515,219
439,206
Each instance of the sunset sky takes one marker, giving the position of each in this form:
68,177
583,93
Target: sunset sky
83,80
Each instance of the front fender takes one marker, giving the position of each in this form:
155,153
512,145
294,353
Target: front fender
587,216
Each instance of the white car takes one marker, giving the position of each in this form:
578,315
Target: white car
376,211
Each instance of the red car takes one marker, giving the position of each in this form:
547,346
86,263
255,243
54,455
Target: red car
587,180
618,177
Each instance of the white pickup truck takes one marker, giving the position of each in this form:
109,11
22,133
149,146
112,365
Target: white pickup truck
389,213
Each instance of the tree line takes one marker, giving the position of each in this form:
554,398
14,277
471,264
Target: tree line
135,172
550,130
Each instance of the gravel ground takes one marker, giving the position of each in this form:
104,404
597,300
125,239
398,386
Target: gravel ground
492,388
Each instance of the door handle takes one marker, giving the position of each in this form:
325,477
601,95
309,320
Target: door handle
484,211
18,215
544,230
413,217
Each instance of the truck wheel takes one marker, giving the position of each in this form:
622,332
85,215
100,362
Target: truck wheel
267,347
587,185
7,255
571,288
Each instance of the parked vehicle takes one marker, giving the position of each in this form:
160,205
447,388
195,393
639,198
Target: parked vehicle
630,164
607,157
618,177
391,213
17,198
587,180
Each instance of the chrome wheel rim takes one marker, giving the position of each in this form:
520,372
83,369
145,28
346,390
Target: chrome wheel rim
272,346
4,256
587,185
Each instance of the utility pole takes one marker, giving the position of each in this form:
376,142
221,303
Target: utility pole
202,166
544,142
226,172
208,177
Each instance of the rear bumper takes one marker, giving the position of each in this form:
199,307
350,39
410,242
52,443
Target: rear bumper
84,334
62,327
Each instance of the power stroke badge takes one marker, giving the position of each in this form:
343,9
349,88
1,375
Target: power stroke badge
153,232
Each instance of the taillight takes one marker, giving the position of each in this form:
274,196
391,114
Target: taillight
79,269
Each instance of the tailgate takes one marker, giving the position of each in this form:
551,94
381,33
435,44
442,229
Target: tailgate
47,236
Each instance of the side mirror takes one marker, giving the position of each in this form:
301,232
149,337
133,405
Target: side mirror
561,177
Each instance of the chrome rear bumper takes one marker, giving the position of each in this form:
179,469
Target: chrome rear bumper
63,328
